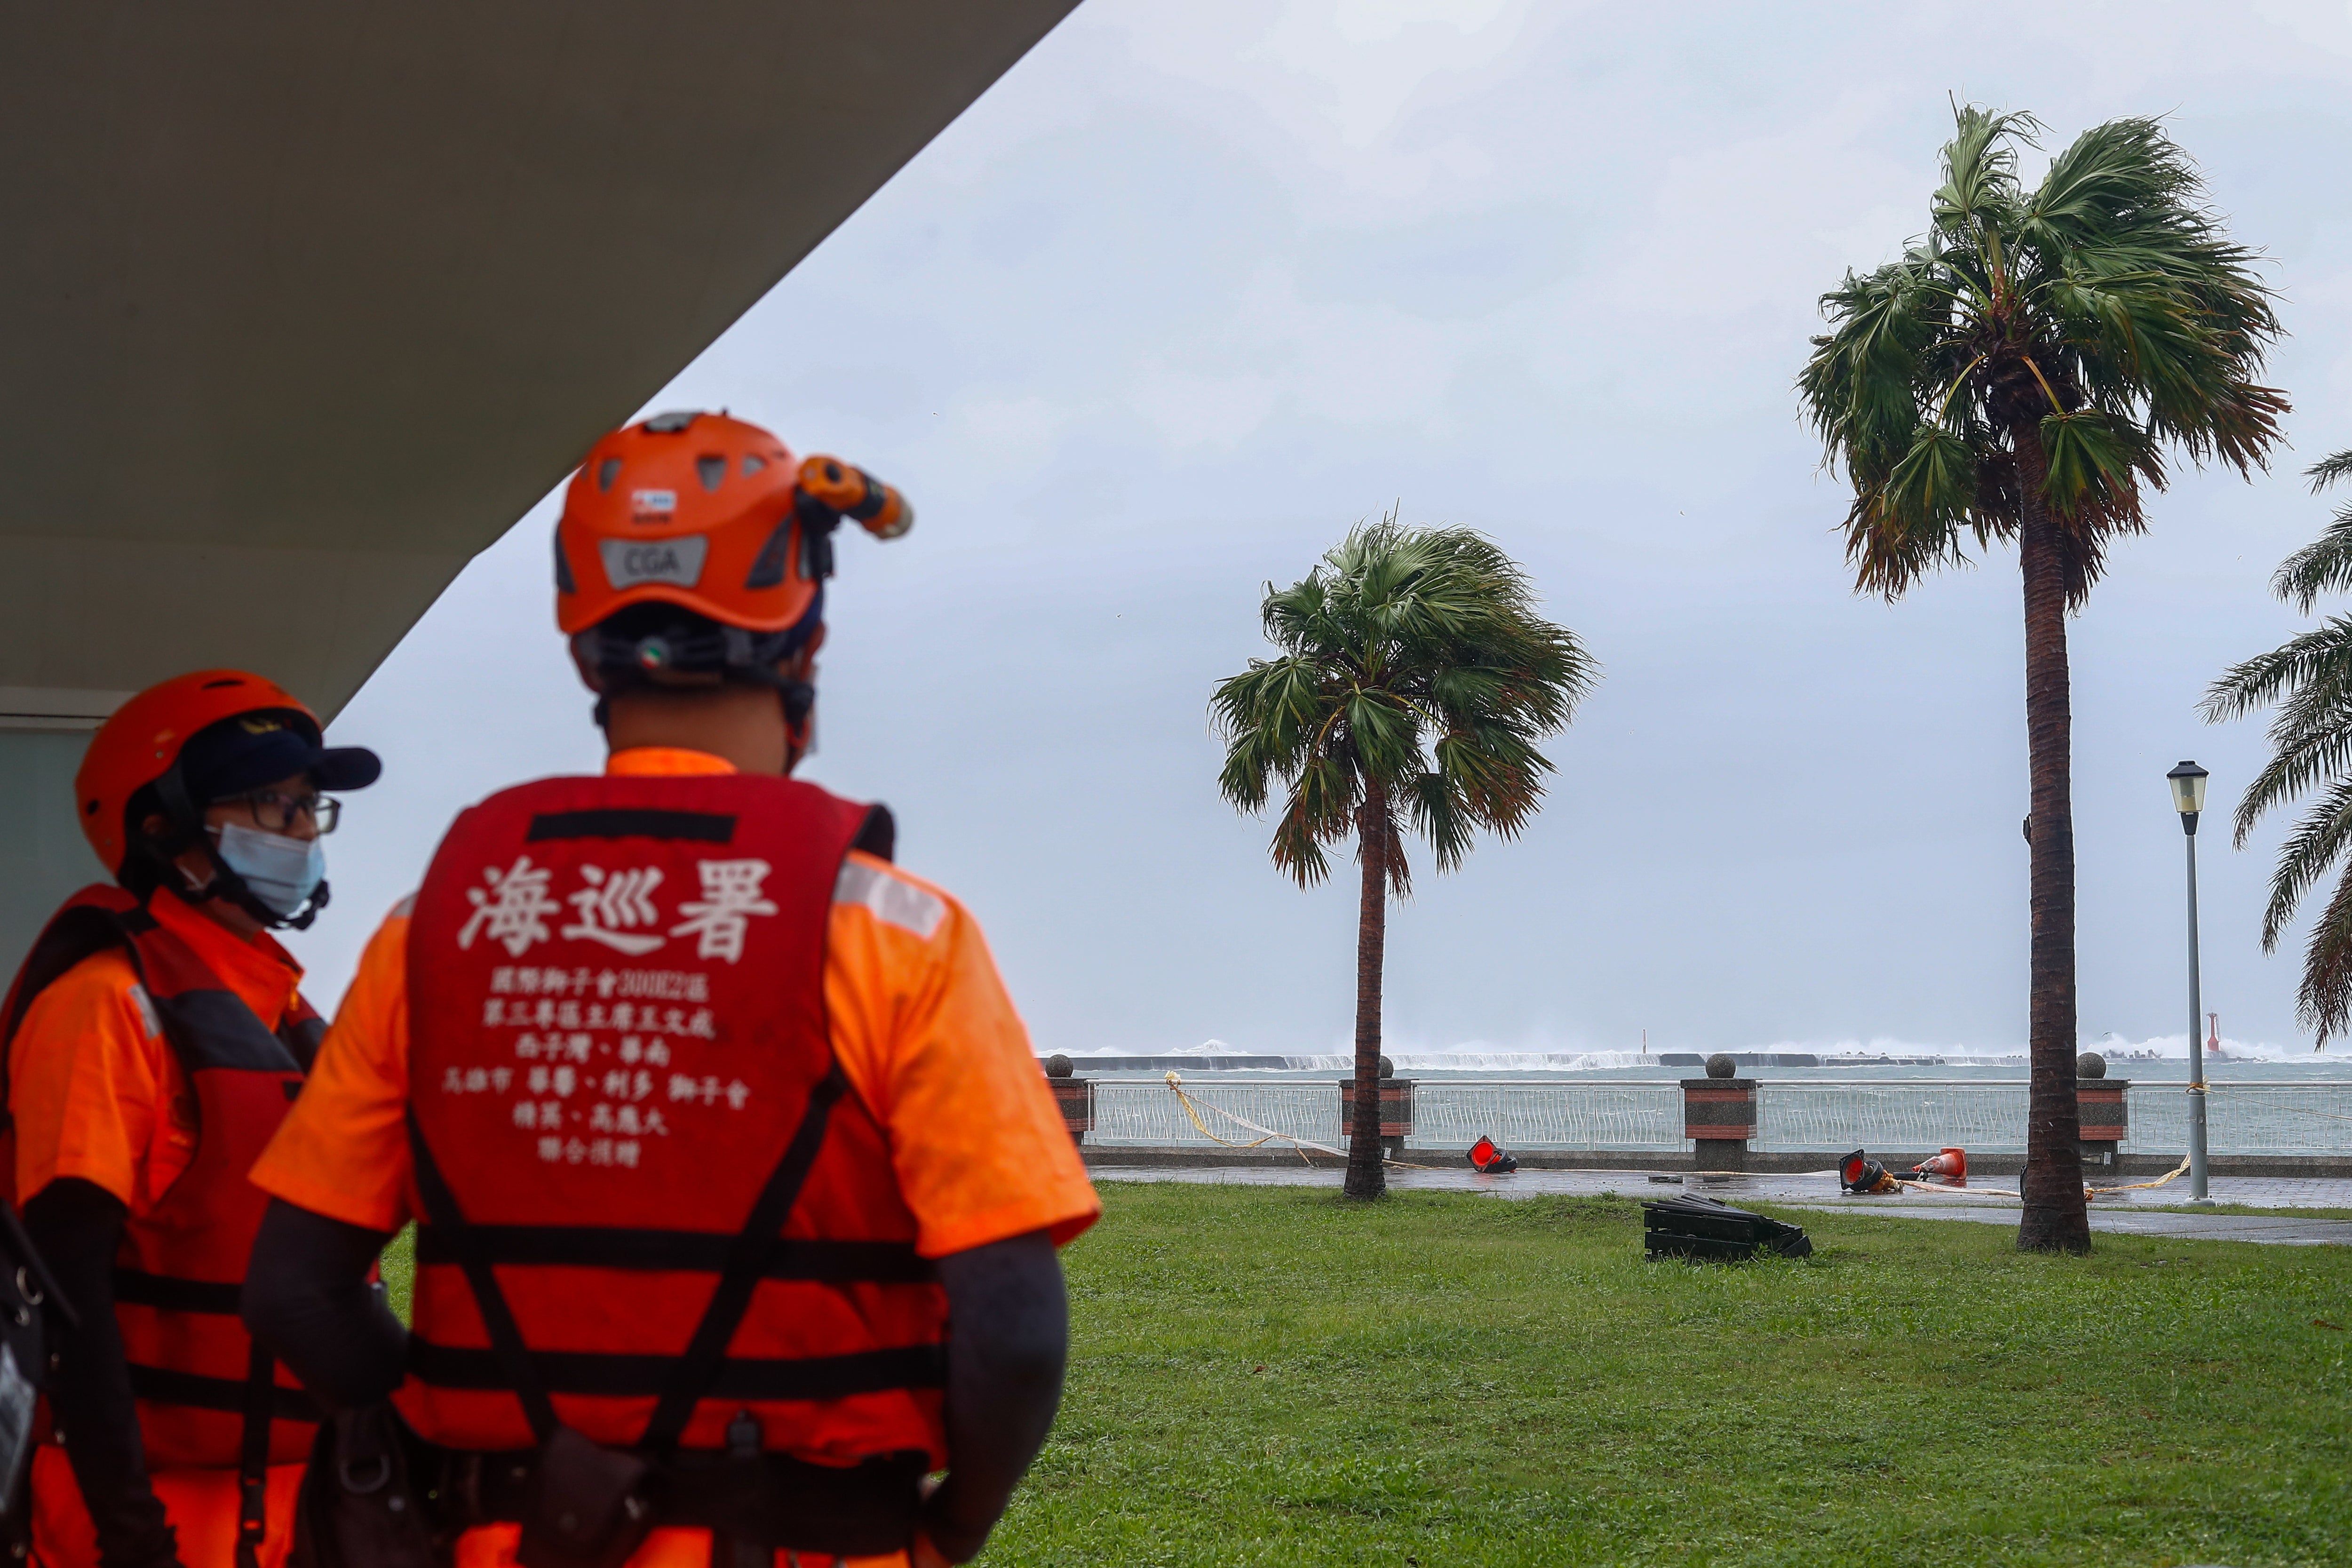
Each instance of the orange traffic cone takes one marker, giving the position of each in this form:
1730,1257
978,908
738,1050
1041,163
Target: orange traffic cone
1490,1160
1949,1169
1858,1172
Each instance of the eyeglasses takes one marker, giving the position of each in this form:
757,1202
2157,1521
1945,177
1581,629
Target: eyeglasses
274,812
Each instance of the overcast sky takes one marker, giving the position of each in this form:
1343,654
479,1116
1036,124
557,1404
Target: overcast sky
1199,285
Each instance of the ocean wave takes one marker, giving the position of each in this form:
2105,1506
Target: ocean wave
1480,1056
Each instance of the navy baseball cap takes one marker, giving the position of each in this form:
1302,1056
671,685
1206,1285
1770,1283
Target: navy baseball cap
228,759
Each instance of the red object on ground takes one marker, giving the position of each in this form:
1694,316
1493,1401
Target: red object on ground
1858,1172
1490,1160
1949,1169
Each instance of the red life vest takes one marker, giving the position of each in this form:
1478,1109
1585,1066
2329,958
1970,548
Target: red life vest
623,1095
207,1396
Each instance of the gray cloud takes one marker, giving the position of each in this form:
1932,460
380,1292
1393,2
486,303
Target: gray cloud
1194,287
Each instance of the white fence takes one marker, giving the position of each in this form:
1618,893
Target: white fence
1903,1115
1147,1113
2245,1118
1920,1115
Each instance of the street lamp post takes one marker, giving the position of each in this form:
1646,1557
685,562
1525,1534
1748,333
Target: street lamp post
2188,782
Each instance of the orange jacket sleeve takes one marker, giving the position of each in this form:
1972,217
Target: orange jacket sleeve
94,1089
342,1149
926,1036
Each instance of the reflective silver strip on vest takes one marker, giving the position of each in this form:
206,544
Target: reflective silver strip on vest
890,899
148,1018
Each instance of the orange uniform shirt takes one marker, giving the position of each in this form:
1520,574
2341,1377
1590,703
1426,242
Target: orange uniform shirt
92,1083
920,1024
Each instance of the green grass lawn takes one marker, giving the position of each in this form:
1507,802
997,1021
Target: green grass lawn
1268,1375
397,1267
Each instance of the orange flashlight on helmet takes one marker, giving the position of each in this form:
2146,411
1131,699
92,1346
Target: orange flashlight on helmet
857,495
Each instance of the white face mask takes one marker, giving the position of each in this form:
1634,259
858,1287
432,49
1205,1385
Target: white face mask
281,872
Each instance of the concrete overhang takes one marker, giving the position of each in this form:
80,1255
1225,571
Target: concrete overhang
303,304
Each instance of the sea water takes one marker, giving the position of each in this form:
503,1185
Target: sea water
2151,1061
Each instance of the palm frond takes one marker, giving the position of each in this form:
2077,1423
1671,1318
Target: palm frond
2310,679
2094,462
2317,842
2323,1000
2329,469
2111,177
2318,659
2325,565
1861,386
1436,811
2162,311
1979,189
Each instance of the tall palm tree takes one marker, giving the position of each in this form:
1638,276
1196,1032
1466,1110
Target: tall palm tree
1414,678
2020,374
2310,678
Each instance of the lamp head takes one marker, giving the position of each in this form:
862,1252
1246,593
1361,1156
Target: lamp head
2188,782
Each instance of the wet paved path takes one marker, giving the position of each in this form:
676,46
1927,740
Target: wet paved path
2276,1230
2127,1214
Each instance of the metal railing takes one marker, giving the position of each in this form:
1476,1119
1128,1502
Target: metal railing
1917,1114
2244,1118
1911,1114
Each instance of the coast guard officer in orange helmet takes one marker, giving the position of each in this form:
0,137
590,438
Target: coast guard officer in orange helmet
154,1041
714,1123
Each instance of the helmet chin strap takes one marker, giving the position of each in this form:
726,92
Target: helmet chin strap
799,700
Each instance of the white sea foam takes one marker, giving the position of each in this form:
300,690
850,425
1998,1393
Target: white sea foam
1482,1056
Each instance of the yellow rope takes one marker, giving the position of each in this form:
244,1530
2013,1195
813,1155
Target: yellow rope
1192,1109
1906,1182
2088,1192
1193,1112
2179,1170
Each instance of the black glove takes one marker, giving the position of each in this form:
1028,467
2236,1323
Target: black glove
78,1226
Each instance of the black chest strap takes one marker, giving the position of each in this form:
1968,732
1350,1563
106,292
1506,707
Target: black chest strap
695,1373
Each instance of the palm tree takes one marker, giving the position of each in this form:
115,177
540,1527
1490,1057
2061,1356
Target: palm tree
1414,678
2310,678
2018,374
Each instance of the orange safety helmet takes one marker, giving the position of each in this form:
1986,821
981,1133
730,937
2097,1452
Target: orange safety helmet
142,740
711,514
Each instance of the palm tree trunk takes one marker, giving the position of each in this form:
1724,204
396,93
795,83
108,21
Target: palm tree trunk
2053,1219
1366,1178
